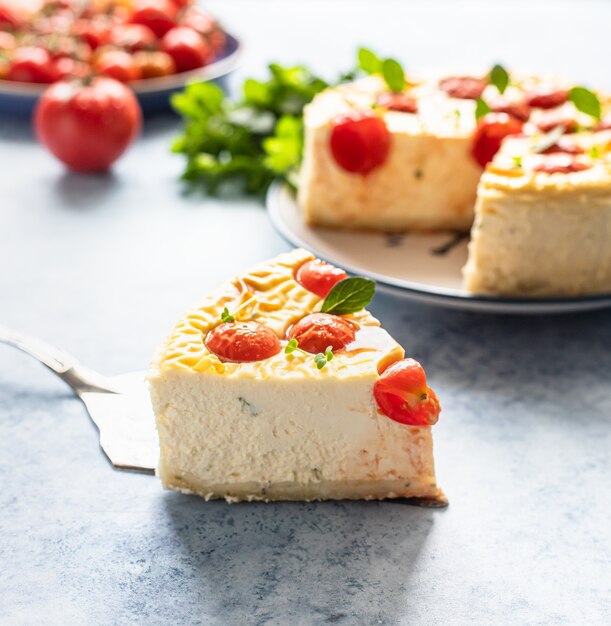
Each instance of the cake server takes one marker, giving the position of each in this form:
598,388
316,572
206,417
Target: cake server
119,406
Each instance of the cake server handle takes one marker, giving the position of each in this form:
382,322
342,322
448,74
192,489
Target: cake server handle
80,378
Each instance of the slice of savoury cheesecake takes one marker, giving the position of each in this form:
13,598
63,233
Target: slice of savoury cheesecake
543,218
281,386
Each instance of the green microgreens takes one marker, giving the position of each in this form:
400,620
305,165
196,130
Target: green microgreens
499,77
391,70
226,316
320,359
481,108
594,152
349,296
517,161
585,101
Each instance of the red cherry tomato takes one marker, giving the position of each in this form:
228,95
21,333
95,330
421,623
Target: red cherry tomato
32,65
133,37
71,68
10,18
197,19
546,98
94,32
463,87
398,102
560,163
158,15
402,394
88,127
242,342
316,332
119,65
552,119
516,108
319,277
187,47
154,64
359,142
489,134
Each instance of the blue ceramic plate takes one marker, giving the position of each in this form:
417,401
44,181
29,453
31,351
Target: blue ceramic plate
152,93
421,267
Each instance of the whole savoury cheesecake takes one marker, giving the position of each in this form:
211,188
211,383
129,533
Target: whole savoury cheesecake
419,157
281,386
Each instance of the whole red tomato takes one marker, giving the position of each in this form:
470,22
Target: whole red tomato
31,64
187,47
87,126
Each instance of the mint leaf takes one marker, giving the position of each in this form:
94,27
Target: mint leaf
226,316
393,74
585,101
349,296
499,78
481,108
369,61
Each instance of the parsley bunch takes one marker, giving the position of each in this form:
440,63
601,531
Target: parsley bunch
250,141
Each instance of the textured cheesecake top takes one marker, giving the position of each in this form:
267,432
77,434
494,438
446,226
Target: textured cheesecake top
270,295
515,166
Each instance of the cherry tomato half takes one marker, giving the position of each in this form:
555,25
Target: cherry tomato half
319,277
491,129
463,87
546,98
516,108
560,163
187,47
552,119
242,342
360,142
402,394
316,332
87,127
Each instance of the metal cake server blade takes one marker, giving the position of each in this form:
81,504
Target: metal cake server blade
119,406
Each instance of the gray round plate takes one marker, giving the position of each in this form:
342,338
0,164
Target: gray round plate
425,268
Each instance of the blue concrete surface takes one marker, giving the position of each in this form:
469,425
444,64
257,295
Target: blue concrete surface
101,266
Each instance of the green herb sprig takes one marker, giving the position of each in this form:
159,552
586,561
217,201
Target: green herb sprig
320,359
248,142
390,69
